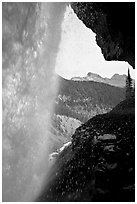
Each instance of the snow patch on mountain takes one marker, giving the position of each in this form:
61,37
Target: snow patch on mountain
116,80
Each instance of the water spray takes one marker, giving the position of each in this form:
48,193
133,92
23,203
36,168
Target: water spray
31,37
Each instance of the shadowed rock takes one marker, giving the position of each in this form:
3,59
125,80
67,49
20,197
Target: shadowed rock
99,165
114,25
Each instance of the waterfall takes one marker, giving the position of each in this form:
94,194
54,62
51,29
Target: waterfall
30,42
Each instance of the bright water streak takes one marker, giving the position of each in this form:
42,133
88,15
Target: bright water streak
31,36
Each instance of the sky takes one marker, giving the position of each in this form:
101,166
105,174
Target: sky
79,54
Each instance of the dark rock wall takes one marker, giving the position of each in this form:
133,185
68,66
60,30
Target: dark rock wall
114,25
99,166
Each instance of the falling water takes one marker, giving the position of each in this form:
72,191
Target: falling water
30,38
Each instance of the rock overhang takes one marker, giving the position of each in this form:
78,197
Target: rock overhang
114,25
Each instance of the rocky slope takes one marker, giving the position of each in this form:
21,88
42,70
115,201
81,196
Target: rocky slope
116,80
84,99
61,130
99,165
75,103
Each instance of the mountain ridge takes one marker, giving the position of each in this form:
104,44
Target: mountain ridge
75,103
116,80
85,99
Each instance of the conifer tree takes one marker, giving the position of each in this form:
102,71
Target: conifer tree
129,84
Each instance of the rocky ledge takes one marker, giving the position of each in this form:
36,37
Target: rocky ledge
99,165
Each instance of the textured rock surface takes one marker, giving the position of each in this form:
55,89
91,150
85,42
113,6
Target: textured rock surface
99,164
114,25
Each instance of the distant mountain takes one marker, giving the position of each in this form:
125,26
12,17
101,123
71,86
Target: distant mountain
84,99
75,103
115,80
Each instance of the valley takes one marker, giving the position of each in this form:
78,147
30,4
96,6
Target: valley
77,102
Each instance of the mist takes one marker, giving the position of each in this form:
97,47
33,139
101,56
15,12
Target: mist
30,41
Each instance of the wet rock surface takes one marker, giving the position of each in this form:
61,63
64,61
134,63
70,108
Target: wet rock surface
114,25
99,165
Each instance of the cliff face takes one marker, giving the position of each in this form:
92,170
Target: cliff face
114,25
99,164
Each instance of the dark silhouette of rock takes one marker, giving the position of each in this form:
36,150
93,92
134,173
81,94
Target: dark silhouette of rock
99,165
114,25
